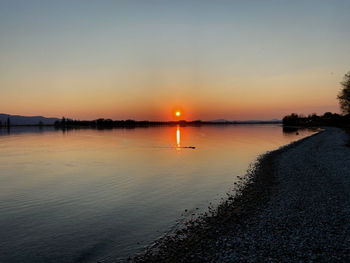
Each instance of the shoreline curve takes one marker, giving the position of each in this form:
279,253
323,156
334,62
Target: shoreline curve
249,226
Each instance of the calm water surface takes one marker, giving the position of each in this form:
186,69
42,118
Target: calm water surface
101,195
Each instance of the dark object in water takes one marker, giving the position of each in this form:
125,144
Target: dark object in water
189,147
297,133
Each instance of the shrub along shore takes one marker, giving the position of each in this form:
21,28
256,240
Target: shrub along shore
293,205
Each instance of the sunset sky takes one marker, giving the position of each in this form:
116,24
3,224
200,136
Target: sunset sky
236,60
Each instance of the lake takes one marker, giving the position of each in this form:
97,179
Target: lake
101,195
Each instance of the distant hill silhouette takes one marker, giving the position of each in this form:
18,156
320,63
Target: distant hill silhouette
220,120
246,122
26,120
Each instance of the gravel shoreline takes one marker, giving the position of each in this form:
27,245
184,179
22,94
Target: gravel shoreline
293,206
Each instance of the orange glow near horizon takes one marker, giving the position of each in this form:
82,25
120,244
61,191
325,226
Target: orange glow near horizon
269,101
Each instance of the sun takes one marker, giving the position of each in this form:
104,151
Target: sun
178,113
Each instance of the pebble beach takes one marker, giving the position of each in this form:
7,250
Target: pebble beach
293,206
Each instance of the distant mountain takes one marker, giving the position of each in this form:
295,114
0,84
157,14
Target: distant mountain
26,120
248,121
260,121
219,121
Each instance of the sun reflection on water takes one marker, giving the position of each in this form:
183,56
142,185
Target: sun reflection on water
178,145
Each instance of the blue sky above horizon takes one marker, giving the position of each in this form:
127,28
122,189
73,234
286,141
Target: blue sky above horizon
145,59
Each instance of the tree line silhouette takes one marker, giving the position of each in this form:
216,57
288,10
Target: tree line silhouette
327,119
6,124
108,123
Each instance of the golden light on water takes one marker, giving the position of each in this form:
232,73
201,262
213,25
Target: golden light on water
178,145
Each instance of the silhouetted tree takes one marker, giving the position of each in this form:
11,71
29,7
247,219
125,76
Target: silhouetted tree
292,119
63,122
8,122
328,115
344,94
327,119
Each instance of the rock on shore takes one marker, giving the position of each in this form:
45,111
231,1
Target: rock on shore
295,208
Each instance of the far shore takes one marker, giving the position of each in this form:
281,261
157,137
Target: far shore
132,123
294,205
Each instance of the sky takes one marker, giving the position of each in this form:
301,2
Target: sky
143,60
